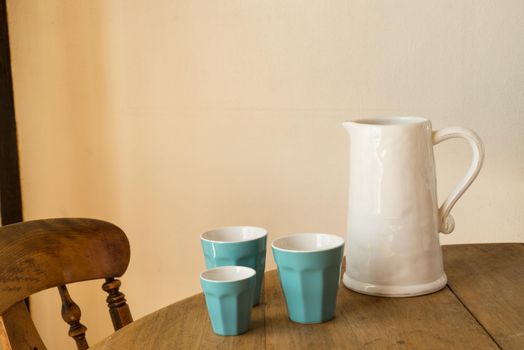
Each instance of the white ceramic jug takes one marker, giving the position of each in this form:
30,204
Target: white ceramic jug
393,216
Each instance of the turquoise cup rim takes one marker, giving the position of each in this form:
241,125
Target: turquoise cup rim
335,242
218,235
241,273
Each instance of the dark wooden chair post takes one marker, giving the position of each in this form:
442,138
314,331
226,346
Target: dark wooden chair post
71,314
116,301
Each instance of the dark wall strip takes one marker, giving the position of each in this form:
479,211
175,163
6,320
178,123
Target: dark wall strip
10,193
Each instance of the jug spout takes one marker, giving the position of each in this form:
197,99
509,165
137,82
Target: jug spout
348,126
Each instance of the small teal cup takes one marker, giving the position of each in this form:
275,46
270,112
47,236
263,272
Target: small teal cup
229,294
309,271
237,246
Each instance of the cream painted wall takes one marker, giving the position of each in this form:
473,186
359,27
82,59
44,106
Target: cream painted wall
172,117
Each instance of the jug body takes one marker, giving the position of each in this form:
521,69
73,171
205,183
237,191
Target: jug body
393,215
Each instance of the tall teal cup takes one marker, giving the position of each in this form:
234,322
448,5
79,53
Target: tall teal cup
229,294
237,246
309,272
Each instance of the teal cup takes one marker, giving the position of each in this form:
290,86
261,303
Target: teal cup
237,246
309,271
229,294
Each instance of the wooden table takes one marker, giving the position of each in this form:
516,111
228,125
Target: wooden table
481,308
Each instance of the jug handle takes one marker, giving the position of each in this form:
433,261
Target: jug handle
446,221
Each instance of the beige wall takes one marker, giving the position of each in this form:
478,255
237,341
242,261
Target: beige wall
171,117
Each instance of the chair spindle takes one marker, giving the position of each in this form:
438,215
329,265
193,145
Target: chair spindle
71,314
116,301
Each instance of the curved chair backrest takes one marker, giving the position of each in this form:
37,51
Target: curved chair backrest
40,254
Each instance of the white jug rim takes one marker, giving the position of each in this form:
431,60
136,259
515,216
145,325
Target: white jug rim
388,121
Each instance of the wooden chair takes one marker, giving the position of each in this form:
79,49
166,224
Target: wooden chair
40,254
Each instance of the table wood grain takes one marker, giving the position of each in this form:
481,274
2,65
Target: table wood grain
481,308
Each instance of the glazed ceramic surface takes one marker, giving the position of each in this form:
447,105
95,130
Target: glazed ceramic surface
229,292
237,246
393,214
309,273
